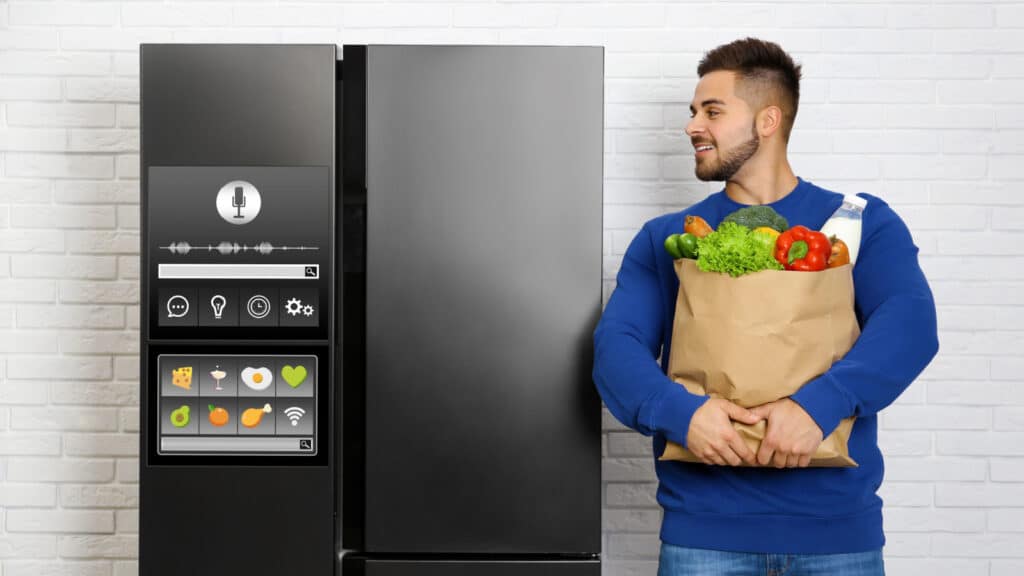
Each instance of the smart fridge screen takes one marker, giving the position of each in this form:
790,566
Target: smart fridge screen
236,404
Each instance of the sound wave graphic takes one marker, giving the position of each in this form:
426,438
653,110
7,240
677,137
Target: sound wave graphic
227,248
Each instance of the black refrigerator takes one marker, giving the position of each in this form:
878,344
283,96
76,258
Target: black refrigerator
370,279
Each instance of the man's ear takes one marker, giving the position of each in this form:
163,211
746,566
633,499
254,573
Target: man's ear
769,120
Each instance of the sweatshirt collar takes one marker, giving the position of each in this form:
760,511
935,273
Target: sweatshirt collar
791,199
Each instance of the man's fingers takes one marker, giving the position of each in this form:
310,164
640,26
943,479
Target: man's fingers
730,455
741,414
764,454
805,460
792,461
779,460
741,449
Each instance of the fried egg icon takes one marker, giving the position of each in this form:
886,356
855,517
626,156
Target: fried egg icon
257,378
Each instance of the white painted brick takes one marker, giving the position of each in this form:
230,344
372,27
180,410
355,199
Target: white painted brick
33,140
102,90
897,141
933,567
60,521
632,495
126,64
829,16
629,444
974,317
129,419
837,166
1006,167
630,216
128,217
1006,520
1006,470
904,443
637,142
128,267
906,494
28,39
54,64
90,192
854,116
1007,418
58,367
633,546
1007,567
621,520
980,342
677,167
1008,66
970,92
22,392
102,242
111,39
977,545
128,166
633,66
46,266
892,41
110,546
31,240
62,568
975,495
63,13
164,15
69,316
918,16
980,443
918,469
232,36
613,16
95,393
59,470
940,520
24,191
983,193
99,496
628,469
904,116
95,292
395,15
126,568
28,342
127,521
128,115
126,368
22,546
934,66
29,88
28,445
62,419
947,167
978,293
128,470
64,216
101,444
1008,219
976,393
907,544
978,41
60,115
99,342
18,495
294,15
59,166
104,141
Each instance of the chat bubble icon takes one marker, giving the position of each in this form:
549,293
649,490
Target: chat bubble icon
177,306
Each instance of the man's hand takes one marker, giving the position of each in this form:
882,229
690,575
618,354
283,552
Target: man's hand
792,436
712,438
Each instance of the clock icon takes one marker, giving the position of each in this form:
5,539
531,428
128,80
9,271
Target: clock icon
258,306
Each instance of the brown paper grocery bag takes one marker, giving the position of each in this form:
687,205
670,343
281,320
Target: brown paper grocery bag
760,337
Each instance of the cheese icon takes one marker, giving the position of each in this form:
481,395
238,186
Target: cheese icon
182,377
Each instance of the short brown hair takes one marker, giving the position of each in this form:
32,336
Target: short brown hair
765,75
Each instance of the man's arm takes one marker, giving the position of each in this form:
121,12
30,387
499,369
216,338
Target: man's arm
899,336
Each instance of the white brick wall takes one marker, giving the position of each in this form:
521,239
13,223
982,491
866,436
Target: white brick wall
919,102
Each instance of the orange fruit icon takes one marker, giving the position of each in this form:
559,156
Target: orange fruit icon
218,415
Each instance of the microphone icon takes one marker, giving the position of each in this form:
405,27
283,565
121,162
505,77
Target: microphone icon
238,201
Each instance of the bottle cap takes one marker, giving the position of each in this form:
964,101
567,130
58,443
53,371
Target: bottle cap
855,200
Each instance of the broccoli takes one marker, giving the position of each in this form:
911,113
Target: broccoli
756,216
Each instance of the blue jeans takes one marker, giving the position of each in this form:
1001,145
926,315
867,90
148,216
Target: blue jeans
678,561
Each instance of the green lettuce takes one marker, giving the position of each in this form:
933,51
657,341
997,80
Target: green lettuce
735,250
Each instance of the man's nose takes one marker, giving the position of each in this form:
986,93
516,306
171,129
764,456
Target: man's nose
693,127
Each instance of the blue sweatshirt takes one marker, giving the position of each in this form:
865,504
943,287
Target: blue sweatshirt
768,510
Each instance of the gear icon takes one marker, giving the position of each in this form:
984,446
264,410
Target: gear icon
307,310
293,306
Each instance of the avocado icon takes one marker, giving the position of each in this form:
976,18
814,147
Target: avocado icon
179,417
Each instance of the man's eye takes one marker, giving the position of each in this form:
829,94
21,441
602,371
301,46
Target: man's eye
712,113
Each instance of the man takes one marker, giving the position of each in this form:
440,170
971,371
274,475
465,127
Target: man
740,512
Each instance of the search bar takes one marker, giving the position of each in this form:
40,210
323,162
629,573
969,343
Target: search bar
238,271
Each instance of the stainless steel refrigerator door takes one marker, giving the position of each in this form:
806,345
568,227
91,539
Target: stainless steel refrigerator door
484,251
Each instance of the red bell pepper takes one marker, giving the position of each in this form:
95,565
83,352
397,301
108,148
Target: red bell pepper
802,249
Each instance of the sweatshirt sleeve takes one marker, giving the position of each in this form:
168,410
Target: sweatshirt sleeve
898,336
626,345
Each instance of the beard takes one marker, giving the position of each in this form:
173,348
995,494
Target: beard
730,161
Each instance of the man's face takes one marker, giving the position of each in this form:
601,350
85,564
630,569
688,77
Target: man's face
724,122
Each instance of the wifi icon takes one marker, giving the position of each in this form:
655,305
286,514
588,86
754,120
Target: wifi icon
294,413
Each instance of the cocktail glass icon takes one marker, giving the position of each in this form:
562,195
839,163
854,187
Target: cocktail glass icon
218,375
218,303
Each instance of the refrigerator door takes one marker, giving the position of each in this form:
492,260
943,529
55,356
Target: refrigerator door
363,566
483,266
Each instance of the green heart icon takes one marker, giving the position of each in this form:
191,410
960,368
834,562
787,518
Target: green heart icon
294,376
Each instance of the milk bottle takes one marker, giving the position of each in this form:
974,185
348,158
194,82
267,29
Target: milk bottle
845,223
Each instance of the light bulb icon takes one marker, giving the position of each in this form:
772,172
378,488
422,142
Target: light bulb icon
218,303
